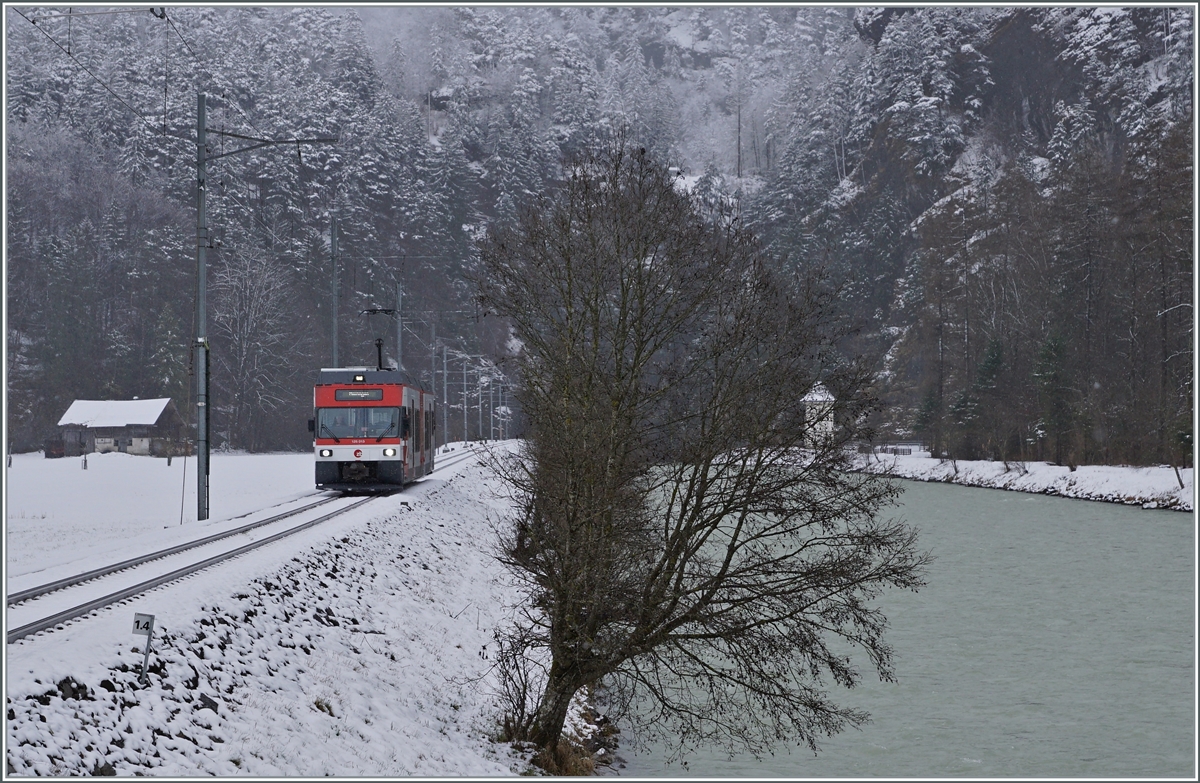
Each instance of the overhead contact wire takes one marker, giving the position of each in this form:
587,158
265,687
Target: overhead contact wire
181,38
224,91
98,80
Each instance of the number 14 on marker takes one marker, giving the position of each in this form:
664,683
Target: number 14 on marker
144,624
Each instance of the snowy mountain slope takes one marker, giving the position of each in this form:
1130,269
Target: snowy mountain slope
976,178
1005,197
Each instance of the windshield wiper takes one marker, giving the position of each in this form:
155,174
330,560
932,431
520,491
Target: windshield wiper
390,427
336,439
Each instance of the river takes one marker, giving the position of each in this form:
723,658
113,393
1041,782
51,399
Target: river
1055,639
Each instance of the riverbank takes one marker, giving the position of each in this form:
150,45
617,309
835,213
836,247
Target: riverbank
1148,487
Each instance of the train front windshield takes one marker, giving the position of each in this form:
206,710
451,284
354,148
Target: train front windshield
358,423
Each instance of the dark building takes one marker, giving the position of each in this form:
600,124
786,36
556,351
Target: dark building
147,427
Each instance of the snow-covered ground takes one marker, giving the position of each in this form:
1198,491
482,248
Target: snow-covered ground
1149,487
358,647
59,514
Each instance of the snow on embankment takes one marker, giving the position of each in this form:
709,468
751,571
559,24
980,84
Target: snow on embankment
361,650
1150,487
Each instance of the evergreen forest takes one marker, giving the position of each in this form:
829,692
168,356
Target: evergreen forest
1003,198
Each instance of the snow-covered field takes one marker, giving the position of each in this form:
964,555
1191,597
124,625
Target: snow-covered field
59,514
1151,487
358,647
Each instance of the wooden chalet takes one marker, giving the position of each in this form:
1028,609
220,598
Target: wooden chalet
146,427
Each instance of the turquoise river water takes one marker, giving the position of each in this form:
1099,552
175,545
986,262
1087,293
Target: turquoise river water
1056,638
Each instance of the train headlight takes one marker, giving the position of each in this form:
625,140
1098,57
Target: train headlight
389,452
326,452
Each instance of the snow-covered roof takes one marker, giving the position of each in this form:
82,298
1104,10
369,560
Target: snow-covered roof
113,413
818,393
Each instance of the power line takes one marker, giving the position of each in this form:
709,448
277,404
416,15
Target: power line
166,57
143,117
100,81
269,141
140,115
246,117
224,90
37,19
181,38
388,258
124,103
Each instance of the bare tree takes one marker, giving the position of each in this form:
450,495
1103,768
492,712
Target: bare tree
250,320
687,533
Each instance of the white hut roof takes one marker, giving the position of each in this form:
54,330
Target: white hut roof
113,413
818,393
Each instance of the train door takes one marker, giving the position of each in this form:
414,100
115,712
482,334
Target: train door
407,435
420,439
420,442
432,414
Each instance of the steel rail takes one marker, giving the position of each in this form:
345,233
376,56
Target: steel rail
149,584
70,581
49,587
445,462
120,595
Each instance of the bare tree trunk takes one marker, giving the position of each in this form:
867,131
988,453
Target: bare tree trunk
553,706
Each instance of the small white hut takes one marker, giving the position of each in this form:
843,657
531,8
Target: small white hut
818,413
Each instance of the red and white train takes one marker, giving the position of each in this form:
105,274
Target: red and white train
372,431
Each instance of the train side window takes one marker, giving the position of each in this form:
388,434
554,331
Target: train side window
403,423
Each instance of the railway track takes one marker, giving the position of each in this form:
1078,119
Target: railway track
178,553
70,581
464,454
